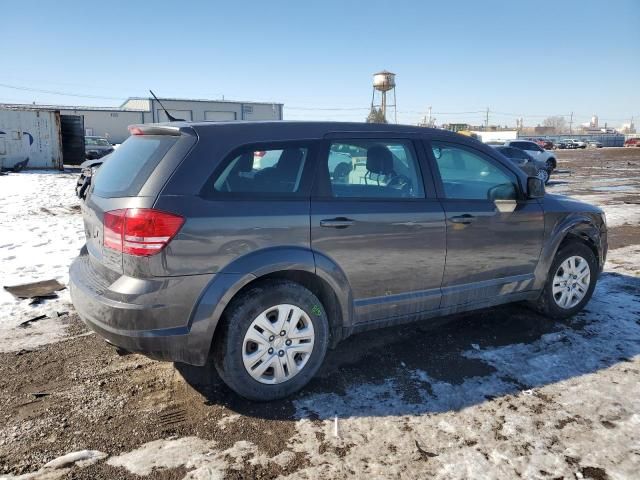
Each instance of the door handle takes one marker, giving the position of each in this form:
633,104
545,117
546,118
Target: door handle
340,222
465,219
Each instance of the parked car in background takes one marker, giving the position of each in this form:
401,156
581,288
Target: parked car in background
195,252
531,166
594,144
536,151
576,143
566,145
96,147
547,145
88,169
632,142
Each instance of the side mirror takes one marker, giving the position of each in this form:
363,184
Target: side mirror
535,187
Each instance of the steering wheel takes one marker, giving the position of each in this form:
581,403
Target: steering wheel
401,183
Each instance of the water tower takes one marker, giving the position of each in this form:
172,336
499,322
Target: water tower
384,82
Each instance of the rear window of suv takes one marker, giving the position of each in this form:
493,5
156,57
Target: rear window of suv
125,171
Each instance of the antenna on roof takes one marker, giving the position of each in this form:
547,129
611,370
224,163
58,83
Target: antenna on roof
169,116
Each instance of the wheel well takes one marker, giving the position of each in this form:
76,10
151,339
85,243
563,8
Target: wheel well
313,283
580,238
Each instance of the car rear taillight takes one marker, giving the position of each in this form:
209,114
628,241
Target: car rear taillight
140,231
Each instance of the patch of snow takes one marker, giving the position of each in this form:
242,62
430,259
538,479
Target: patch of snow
223,422
195,454
192,452
621,214
82,458
284,458
59,467
42,231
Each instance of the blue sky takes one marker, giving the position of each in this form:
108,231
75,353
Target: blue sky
535,58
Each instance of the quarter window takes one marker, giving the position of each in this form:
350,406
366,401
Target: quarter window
374,169
264,171
467,175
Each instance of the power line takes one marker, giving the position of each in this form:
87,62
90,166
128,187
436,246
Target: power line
56,92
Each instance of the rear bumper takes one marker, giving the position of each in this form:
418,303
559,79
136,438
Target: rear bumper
148,316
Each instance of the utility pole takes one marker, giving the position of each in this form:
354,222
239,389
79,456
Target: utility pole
486,121
571,124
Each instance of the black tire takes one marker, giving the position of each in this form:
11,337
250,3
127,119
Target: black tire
551,164
546,303
228,343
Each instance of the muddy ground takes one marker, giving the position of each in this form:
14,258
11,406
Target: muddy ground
410,402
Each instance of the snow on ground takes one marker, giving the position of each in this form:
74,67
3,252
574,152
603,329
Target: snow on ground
618,214
41,232
61,466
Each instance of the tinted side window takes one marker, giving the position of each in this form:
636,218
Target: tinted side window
468,175
264,171
125,171
374,169
517,153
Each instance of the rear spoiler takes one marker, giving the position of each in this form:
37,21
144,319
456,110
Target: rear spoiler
157,130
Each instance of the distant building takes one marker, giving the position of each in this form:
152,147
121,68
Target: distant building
541,130
498,136
113,122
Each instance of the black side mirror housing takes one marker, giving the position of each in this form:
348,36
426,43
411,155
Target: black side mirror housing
535,187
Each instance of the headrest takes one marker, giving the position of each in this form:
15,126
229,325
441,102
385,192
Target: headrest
290,159
244,163
379,160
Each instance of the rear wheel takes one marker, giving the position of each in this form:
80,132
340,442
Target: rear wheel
273,340
570,283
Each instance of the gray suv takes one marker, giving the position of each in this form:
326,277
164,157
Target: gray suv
258,245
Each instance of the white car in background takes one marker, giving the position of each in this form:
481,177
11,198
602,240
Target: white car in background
576,143
535,150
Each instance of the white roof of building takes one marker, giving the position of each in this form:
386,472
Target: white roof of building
200,100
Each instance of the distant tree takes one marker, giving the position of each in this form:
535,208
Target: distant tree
376,116
557,122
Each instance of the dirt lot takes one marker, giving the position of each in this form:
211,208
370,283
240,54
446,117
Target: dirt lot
501,393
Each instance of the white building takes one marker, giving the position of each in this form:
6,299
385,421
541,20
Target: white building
495,136
113,122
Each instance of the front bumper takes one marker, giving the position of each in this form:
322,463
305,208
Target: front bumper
148,316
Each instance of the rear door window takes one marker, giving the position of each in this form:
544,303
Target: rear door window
126,170
268,170
368,168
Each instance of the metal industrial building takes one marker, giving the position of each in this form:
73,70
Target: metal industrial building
113,122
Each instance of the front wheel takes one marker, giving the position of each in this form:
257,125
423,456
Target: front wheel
550,164
570,282
273,340
543,174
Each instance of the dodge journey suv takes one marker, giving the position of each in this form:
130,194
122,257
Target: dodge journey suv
256,246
